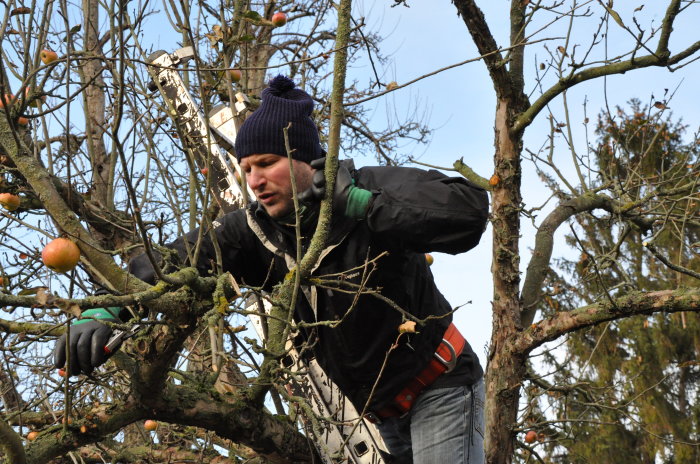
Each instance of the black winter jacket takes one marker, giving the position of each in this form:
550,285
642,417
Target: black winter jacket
412,212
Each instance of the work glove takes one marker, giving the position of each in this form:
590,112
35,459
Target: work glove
88,337
348,200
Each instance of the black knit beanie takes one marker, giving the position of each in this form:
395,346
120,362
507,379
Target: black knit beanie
262,131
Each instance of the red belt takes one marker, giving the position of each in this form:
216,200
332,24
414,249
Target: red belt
444,360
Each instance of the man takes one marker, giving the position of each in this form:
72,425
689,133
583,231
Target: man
423,389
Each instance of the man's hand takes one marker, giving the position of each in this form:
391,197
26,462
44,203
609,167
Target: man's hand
88,337
348,200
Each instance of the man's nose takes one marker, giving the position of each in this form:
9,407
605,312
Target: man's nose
255,179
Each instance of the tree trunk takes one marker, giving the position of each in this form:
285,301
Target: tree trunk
91,75
505,369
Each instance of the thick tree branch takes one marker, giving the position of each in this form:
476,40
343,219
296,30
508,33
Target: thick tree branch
621,67
544,242
486,44
667,27
11,443
11,398
153,454
30,328
632,304
94,98
164,292
517,36
240,420
104,420
469,174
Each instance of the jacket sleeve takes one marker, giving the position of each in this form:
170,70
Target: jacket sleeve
234,244
424,210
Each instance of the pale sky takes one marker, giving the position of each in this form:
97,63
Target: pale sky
428,36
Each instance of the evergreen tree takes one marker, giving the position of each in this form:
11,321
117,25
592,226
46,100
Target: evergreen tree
627,391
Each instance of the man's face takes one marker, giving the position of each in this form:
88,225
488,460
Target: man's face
269,178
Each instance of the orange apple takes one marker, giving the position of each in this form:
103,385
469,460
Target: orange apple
22,121
150,425
530,436
429,258
61,255
48,56
279,19
9,201
235,74
31,436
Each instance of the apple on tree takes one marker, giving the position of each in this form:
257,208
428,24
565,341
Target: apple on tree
61,255
48,56
9,201
530,436
235,75
279,19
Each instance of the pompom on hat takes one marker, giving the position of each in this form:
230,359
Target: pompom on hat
282,103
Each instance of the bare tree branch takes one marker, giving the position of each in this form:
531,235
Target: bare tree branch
632,304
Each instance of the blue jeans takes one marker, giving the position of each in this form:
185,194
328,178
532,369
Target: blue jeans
445,426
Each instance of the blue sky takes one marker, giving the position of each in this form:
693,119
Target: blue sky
461,102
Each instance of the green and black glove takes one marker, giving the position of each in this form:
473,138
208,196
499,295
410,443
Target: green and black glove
88,337
348,200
